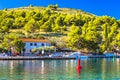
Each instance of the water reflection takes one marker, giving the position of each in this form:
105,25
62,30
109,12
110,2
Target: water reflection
78,72
92,69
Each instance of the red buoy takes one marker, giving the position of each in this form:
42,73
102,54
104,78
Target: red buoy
78,66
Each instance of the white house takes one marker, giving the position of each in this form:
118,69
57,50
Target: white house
34,43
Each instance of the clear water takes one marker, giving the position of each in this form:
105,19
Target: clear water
92,69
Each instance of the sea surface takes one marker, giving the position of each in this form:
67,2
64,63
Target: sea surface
92,69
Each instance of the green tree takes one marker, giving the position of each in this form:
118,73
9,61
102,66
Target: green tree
7,22
106,31
109,33
55,28
31,5
70,19
12,43
116,42
74,35
19,23
5,9
20,46
4,29
63,28
46,26
54,7
31,26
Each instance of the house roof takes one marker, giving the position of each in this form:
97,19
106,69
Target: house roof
34,40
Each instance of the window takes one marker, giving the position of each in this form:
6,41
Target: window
42,44
30,50
31,44
35,44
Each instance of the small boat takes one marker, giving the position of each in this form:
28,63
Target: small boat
84,56
78,55
109,55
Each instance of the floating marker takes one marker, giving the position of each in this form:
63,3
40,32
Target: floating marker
78,66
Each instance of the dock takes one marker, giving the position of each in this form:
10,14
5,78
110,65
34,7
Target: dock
33,58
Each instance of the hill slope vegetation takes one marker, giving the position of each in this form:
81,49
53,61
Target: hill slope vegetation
64,27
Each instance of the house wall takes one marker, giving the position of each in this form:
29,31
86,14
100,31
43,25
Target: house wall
30,45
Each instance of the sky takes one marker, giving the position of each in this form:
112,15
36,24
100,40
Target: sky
97,7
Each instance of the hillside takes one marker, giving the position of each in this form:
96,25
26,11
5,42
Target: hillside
64,27
59,10
15,13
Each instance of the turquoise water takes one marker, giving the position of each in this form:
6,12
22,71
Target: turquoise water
92,69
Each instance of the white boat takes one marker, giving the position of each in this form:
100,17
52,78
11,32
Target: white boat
77,55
